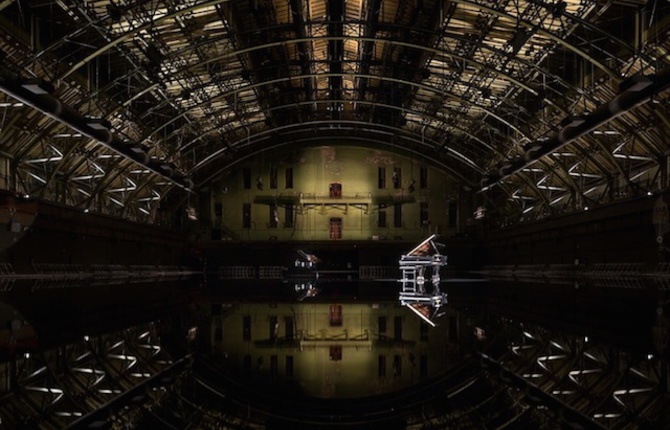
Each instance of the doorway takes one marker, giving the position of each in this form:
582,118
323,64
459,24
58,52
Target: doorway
335,190
336,228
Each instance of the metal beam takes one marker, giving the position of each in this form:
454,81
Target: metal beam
427,88
637,90
571,416
5,3
55,109
103,413
130,34
307,126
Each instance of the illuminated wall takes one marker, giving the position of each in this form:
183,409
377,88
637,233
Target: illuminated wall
306,194
333,350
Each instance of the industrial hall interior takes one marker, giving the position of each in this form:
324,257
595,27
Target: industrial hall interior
335,214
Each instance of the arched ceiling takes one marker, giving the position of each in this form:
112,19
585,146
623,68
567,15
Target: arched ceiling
544,107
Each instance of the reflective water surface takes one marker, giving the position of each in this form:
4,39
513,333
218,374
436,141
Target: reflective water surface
249,352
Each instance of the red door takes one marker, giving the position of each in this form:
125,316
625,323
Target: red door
335,190
336,228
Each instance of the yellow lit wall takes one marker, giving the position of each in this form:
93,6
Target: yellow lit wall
317,374
357,170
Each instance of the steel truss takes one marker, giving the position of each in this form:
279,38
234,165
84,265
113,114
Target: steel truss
596,385
198,85
77,382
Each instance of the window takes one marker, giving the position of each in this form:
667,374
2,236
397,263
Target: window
246,215
274,327
335,315
397,327
423,213
246,178
218,330
274,216
423,177
453,329
288,216
397,366
423,366
381,178
453,214
397,215
336,352
289,178
335,190
246,328
382,366
423,332
397,178
381,216
381,327
273,366
247,364
273,177
289,365
288,323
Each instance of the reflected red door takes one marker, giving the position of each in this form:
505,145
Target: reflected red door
336,228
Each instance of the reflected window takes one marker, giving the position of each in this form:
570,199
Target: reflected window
273,366
453,214
423,332
397,327
246,328
273,177
397,215
381,368
423,177
288,323
274,217
397,366
218,331
288,216
453,329
246,178
335,315
289,366
246,215
336,352
381,216
247,364
423,366
423,213
289,178
218,213
381,327
274,328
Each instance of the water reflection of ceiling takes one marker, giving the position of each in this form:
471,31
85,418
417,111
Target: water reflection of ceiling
585,349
